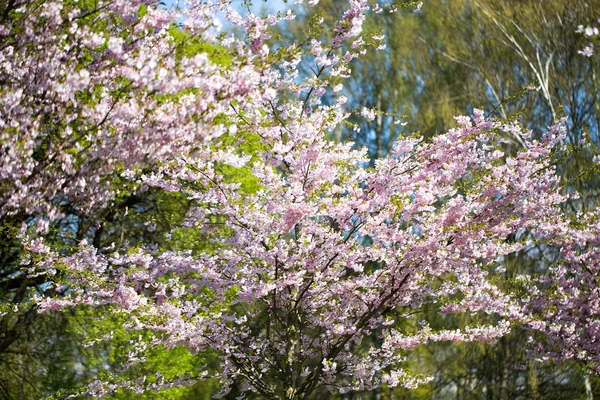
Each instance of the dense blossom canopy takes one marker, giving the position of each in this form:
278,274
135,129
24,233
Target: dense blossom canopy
317,273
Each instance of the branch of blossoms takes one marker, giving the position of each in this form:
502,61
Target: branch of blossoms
564,303
327,254
84,99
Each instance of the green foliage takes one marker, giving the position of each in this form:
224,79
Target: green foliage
189,46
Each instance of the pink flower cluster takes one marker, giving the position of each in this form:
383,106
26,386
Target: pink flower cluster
590,32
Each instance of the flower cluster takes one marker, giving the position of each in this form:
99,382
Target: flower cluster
590,32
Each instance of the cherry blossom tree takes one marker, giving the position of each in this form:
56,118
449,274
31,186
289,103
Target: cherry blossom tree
92,91
316,277
327,255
